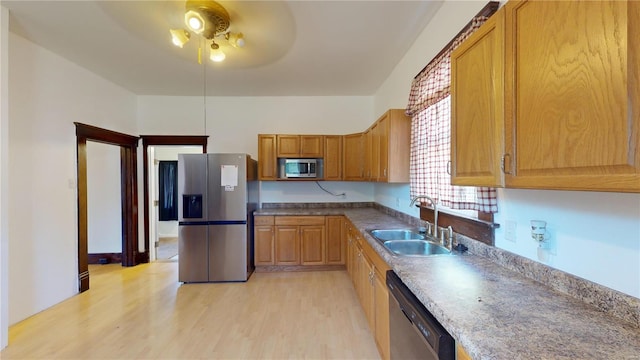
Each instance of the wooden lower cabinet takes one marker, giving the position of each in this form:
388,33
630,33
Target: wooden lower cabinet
263,242
287,245
299,241
381,312
335,235
329,240
264,238
368,274
312,244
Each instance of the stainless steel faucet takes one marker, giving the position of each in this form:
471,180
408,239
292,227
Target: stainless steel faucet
435,212
446,237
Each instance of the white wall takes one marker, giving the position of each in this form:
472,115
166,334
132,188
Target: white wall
310,192
594,235
233,125
104,207
47,94
4,176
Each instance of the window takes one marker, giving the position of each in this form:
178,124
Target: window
430,110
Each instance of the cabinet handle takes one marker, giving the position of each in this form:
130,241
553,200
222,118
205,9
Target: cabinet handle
506,157
449,167
384,172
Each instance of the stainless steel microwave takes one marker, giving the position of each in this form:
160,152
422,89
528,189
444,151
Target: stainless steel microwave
300,168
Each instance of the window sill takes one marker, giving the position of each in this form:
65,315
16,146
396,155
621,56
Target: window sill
481,230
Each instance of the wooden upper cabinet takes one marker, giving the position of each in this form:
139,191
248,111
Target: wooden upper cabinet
267,162
477,106
571,98
572,95
369,154
332,157
288,145
353,157
395,146
382,146
300,146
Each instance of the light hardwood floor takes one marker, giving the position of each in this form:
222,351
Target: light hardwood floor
144,312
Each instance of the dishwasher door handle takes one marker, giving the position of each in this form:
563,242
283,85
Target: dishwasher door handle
405,314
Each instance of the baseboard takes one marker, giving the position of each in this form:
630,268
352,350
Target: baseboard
105,258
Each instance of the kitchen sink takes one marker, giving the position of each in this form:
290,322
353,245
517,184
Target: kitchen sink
416,247
396,234
407,242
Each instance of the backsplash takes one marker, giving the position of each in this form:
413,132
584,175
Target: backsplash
321,205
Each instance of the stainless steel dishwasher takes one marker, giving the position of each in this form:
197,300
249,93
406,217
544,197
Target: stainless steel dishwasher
413,332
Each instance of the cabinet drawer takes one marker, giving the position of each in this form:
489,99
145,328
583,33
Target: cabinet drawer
263,220
299,220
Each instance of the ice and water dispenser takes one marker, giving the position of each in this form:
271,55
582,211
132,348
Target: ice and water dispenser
192,206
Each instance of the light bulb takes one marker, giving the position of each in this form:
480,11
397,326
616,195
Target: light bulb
236,40
179,37
217,55
194,21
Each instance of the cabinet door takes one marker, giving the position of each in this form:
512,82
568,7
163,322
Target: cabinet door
353,157
311,146
399,146
374,157
351,252
477,103
288,146
333,157
312,241
264,246
287,245
381,313
368,155
267,164
366,289
572,116
335,241
382,148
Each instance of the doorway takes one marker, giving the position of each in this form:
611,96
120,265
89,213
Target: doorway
163,212
129,202
149,143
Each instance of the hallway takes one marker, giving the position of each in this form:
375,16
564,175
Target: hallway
144,312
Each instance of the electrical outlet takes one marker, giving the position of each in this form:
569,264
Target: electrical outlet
510,230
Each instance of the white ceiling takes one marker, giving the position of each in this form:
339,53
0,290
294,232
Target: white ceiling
294,48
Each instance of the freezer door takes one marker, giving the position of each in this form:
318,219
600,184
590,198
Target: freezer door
228,252
193,253
227,187
192,187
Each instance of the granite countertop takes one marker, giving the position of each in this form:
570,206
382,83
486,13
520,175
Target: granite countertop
495,312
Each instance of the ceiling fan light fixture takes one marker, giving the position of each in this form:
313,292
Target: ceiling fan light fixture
216,55
179,37
236,39
194,21
211,21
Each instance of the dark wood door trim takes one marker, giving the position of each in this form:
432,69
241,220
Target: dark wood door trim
129,189
158,140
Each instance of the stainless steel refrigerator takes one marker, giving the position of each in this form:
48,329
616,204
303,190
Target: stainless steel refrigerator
217,194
